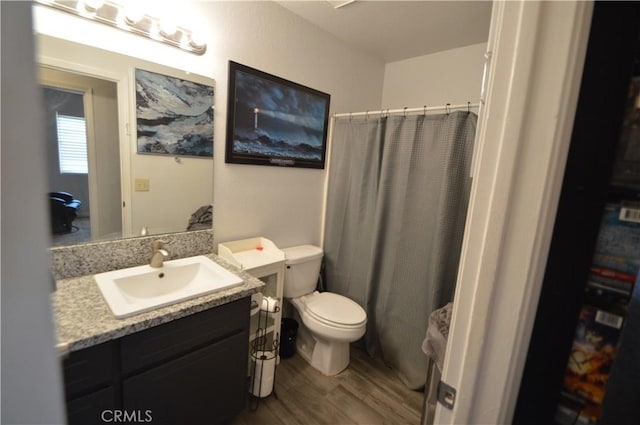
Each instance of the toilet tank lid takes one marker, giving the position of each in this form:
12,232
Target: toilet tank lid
301,253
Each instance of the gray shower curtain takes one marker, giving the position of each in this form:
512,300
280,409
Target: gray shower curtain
397,201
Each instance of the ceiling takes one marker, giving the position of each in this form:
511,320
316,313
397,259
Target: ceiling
395,30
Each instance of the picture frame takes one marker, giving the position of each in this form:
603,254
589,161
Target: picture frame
174,116
273,121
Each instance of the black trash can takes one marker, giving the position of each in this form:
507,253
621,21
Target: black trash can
288,332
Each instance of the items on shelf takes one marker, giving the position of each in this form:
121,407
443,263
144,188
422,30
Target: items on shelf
626,167
618,242
592,355
610,283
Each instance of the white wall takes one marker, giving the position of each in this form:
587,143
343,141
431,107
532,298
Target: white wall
31,384
452,76
283,204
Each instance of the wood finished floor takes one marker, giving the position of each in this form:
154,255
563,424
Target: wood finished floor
368,392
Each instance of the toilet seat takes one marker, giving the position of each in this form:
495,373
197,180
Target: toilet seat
335,310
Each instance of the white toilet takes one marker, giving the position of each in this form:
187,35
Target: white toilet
328,322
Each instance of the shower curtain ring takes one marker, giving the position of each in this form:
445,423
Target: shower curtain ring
405,112
366,116
350,115
468,106
447,108
424,110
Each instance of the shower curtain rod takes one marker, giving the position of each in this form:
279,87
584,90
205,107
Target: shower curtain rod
424,109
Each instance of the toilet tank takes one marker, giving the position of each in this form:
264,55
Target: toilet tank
302,268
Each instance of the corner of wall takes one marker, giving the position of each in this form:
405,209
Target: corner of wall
451,76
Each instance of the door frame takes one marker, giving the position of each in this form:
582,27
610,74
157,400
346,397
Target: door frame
537,52
123,86
87,106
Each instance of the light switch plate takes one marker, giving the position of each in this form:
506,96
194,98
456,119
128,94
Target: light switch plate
141,185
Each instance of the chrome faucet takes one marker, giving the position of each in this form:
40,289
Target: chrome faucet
159,254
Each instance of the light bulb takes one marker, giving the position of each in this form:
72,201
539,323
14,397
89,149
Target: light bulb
133,13
168,28
197,40
93,5
154,32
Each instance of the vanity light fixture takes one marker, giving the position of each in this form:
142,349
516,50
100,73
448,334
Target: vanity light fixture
131,19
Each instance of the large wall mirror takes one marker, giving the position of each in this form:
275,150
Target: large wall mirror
121,192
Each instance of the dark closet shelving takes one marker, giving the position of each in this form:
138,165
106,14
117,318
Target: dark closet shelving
613,53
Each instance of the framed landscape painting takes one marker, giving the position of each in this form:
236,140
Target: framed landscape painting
173,116
273,121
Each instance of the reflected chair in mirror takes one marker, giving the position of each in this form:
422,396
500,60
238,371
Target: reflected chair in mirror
64,209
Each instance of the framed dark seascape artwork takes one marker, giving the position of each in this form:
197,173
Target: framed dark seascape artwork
273,121
173,116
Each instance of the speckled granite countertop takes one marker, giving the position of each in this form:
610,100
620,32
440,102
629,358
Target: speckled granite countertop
83,318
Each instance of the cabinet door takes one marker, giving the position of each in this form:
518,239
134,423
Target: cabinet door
206,386
88,370
95,408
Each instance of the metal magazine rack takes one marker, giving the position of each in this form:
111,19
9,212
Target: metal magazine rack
265,355
264,260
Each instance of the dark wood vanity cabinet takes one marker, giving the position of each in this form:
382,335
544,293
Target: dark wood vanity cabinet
191,370
211,387
89,383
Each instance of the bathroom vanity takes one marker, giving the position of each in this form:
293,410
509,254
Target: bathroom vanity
183,363
191,370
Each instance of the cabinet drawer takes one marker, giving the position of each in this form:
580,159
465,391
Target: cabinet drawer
88,369
158,344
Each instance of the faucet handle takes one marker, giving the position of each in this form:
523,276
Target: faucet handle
158,244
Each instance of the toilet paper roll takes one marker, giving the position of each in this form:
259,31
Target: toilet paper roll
264,363
269,304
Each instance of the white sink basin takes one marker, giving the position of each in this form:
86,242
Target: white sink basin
137,289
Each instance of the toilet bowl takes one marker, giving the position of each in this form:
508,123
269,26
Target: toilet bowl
328,322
